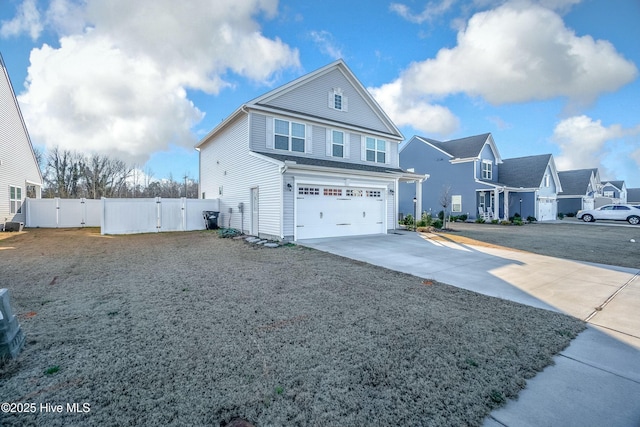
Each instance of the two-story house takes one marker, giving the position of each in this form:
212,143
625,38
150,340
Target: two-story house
614,192
474,179
580,187
20,176
316,157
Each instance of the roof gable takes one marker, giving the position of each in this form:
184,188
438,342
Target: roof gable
526,172
308,95
12,125
618,185
576,182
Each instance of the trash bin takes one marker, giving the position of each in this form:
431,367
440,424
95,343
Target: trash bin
210,219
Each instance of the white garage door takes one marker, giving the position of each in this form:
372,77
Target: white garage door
545,210
324,211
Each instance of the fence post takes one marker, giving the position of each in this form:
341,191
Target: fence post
102,215
57,199
158,214
83,210
183,201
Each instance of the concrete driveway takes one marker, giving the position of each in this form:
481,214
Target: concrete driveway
596,380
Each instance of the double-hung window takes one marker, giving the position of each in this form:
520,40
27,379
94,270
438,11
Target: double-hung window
289,136
487,169
375,150
337,143
15,199
456,203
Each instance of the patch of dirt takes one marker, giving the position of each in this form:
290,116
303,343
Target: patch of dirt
179,329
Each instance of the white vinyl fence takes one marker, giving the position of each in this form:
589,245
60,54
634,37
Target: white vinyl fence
120,216
63,213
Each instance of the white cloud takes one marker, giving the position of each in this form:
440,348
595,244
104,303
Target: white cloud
431,11
587,143
520,52
27,21
414,111
326,44
118,83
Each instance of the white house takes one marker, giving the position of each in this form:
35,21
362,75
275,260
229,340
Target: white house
316,157
19,173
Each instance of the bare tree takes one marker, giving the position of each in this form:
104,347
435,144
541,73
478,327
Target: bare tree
445,201
64,173
105,177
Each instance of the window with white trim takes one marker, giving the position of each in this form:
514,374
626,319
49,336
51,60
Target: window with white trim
609,194
15,199
547,181
456,203
487,169
289,136
376,150
337,100
337,143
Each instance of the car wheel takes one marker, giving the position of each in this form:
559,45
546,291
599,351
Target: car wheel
587,218
633,220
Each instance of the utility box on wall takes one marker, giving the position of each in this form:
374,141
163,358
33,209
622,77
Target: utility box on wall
11,337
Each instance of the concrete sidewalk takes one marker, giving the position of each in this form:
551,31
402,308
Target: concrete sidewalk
596,380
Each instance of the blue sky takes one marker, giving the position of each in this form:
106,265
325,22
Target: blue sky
144,81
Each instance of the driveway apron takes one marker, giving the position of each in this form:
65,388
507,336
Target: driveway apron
596,380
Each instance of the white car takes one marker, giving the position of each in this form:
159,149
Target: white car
628,213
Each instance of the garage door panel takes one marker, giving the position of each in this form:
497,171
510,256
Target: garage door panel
339,211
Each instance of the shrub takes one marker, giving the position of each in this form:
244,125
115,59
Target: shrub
441,215
531,219
408,220
480,221
505,222
437,223
516,215
494,221
571,214
463,218
560,215
226,233
517,221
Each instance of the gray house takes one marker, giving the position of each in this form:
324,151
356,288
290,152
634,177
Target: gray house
633,196
477,182
615,191
316,157
580,188
20,176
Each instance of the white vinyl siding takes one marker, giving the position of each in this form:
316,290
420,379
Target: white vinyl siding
18,167
224,163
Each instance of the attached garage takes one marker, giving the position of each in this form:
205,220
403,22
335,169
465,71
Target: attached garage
547,209
329,211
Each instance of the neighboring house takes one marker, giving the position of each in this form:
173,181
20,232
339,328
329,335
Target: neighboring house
633,196
614,192
20,176
316,157
477,181
580,188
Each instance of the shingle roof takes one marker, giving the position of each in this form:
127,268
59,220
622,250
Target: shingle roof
575,182
617,184
329,163
526,172
462,148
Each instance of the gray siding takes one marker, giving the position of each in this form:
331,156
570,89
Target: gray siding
226,162
317,137
427,160
17,162
311,98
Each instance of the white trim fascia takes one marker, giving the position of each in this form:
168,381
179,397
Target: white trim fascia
466,160
222,125
324,122
494,148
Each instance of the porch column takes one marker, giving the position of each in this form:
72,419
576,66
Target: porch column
506,205
418,207
496,203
